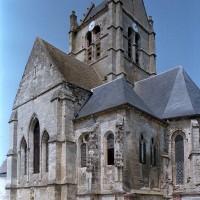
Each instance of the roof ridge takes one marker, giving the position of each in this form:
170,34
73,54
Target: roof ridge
106,83
185,75
170,91
131,86
151,77
179,73
61,60
92,5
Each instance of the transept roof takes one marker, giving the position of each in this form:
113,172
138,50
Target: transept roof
168,95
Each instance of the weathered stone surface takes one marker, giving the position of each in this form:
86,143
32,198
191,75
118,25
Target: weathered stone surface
121,152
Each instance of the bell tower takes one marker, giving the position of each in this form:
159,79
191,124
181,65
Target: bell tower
116,38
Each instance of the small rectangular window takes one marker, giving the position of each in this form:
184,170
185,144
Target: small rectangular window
90,54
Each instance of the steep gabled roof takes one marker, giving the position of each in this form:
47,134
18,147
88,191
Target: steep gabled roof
73,70
94,10
48,67
113,94
171,94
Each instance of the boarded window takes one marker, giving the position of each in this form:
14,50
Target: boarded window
130,32
110,149
96,31
89,53
137,47
98,50
179,159
36,150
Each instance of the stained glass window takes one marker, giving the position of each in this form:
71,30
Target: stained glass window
83,155
110,149
179,159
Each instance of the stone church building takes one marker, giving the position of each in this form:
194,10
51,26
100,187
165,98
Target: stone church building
99,123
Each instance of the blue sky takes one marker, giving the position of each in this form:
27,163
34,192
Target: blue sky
176,23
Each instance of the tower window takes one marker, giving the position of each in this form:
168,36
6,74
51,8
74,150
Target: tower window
89,47
98,50
110,149
179,159
36,156
89,38
96,32
130,34
90,53
137,47
142,150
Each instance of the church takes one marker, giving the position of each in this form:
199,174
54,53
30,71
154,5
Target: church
99,123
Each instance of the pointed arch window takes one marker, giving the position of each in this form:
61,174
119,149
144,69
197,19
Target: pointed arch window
45,151
110,149
24,157
142,150
130,35
83,155
179,159
36,150
97,31
89,47
137,47
153,152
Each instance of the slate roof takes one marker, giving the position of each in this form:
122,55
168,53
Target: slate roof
96,9
171,94
111,95
73,70
168,95
3,167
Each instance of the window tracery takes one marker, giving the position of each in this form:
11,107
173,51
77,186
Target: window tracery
179,159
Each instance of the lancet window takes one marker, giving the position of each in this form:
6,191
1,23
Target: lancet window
36,148
89,46
137,47
130,36
110,149
24,164
96,32
153,152
142,150
179,159
45,151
